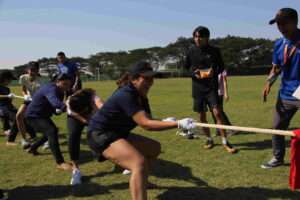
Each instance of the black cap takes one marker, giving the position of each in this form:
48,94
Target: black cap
285,14
7,75
142,68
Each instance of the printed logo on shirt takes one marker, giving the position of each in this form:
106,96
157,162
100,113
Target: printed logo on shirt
64,70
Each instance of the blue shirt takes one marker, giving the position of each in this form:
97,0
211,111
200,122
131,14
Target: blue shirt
69,68
44,102
117,112
290,71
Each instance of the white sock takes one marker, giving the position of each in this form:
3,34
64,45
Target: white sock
209,138
224,140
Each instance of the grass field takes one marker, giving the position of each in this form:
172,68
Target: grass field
184,171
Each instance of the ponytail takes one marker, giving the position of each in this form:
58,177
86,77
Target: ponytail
124,80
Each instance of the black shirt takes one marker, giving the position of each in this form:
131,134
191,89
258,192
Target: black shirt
5,101
117,112
204,58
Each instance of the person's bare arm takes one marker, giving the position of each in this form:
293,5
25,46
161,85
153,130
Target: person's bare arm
275,71
142,119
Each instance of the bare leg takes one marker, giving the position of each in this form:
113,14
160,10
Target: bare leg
127,156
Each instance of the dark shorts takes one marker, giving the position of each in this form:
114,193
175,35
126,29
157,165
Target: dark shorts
98,141
206,99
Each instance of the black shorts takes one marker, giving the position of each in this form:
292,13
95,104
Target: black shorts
98,141
206,99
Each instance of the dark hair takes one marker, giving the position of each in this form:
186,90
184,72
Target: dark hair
34,65
61,53
202,30
125,79
80,101
6,75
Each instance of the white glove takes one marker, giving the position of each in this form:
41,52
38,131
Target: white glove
186,123
58,111
11,95
27,98
169,119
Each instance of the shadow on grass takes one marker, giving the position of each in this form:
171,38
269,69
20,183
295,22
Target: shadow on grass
258,145
238,193
168,169
162,169
45,192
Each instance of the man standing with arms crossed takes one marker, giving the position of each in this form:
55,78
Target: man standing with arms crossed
286,62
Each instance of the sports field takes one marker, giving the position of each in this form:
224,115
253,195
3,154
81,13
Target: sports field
184,171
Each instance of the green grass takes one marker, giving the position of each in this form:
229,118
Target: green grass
184,171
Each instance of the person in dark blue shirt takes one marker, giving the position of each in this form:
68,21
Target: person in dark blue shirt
8,111
109,129
65,66
286,62
48,100
206,63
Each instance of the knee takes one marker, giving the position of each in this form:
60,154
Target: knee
139,164
203,118
217,113
19,116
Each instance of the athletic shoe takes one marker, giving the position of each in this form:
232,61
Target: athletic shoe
272,163
186,133
33,152
126,172
11,144
76,177
229,148
6,132
209,144
45,146
25,144
2,197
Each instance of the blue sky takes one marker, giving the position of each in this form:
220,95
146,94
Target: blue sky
31,29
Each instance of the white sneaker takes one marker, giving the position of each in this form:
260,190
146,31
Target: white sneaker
126,172
45,146
76,177
6,132
24,142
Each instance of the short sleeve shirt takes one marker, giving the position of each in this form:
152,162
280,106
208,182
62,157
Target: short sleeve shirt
290,71
31,85
204,58
117,112
68,67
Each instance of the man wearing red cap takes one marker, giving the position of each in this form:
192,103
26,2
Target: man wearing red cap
286,62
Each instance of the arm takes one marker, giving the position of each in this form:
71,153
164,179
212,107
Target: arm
54,100
226,96
98,102
146,123
275,71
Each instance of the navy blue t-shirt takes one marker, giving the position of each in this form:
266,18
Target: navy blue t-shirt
117,112
68,67
44,102
5,101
